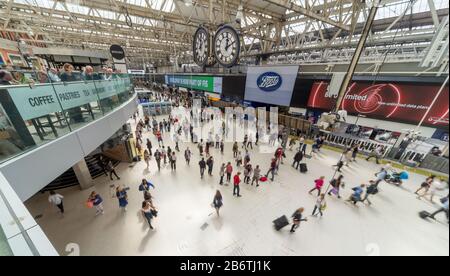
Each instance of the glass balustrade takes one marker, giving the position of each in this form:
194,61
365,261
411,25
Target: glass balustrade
33,114
20,235
5,250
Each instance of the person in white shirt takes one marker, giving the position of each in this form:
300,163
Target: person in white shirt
320,205
444,209
53,75
173,161
301,141
108,74
377,153
176,139
56,200
436,186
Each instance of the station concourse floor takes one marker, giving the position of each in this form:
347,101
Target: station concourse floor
187,224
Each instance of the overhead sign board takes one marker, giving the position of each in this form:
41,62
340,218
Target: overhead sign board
271,84
117,52
400,102
203,83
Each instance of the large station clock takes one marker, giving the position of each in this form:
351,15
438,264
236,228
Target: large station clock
227,46
201,46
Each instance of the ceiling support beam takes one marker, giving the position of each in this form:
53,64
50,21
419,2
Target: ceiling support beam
309,13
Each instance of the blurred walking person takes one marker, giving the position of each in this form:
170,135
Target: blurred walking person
56,200
256,175
97,202
187,155
202,165
318,185
236,183
218,202
222,173
297,218
229,171
320,205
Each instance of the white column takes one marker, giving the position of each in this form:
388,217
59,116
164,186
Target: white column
83,175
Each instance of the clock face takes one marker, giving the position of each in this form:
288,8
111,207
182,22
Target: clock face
227,46
201,46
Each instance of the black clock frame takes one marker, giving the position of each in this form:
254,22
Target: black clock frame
208,47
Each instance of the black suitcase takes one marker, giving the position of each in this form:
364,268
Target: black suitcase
280,222
303,168
424,214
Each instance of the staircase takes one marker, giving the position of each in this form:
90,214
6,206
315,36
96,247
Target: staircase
69,179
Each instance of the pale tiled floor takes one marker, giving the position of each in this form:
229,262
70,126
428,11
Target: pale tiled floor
187,225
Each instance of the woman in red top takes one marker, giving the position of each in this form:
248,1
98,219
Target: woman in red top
236,181
318,185
279,155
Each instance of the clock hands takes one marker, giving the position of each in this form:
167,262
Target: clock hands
228,44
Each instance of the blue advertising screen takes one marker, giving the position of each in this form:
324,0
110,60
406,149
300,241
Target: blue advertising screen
271,84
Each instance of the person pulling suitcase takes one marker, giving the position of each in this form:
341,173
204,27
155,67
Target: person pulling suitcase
297,218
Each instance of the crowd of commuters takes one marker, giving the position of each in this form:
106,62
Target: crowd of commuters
66,73
241,170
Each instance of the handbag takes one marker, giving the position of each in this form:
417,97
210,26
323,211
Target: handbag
373,191
154,212
333,183
89,204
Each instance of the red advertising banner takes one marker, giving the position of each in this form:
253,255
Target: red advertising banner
389,101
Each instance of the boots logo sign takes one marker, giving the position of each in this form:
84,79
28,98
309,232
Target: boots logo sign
269,81
270,84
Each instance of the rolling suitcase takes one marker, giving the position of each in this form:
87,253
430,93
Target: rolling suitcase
303,168
280,222
424,214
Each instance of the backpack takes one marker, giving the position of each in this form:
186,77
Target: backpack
142,188
333,183
373,190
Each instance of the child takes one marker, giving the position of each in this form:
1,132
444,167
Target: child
318,185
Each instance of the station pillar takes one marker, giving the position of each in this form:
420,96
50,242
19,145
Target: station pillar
83,175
